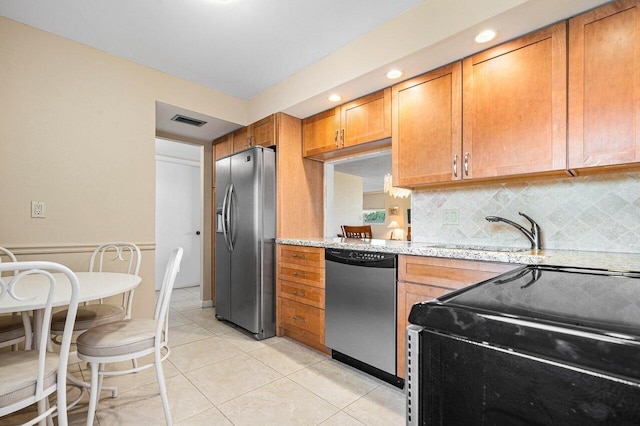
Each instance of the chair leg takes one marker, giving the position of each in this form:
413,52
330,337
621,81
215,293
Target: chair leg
49,417
163,387
61,393
100,379
42,407
93,393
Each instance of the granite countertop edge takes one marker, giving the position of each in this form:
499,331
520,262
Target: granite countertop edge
523,256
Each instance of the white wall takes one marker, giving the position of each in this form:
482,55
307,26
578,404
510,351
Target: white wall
347,202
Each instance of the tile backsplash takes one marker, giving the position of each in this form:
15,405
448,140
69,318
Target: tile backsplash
592,213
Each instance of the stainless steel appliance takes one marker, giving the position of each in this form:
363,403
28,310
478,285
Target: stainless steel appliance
539,345
245,198
360,311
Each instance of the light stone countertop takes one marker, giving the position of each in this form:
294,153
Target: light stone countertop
584,259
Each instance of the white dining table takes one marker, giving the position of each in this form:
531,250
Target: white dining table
93,286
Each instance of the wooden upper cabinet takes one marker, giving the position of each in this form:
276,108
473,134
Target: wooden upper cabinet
604,86
514,106
366,119
321,132
427,128
363,120
223,147
240,139
263,132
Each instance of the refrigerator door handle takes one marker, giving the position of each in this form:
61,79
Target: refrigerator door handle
225,218
230,224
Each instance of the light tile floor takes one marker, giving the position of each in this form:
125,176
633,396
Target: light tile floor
217,375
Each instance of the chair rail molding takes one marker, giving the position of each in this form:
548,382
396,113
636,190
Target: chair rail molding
27,249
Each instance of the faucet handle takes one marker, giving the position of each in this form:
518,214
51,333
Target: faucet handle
536,239
533,222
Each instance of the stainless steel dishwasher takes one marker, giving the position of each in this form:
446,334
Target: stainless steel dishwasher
360,311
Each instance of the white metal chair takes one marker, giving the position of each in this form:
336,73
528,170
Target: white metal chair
114,257
131,339
30,376
15,327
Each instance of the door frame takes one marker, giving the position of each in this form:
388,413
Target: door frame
206,198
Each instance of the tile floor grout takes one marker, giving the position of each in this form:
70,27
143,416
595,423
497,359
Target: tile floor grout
285,382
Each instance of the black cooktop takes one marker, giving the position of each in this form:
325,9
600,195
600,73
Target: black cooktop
585,317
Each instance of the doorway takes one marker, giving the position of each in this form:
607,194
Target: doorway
179,207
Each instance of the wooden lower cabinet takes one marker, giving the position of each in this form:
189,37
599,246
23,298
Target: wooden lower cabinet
300,291
425,278
302,320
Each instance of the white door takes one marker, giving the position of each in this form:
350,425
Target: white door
179,210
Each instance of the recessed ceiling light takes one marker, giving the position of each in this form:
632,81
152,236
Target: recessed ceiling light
335,98
485,36
393,74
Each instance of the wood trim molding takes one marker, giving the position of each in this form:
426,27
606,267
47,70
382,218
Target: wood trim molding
27,249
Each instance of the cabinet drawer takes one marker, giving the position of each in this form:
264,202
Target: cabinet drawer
313,296
309,256
448,273
302,319
301,274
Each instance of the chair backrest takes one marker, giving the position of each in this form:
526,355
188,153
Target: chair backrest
161,313
356,231
41,274
126,257
8,256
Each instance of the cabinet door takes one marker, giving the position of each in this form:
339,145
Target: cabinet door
366,119
223,147
604,86
240,140
514,106
263,132
321,132
427,128
425,278
408,295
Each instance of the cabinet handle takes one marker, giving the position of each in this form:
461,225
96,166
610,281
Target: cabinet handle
250,141
299,256
466,164
335,138
299,293
342,137
299,274
455,165
299,319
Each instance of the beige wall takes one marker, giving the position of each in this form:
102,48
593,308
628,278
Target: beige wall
347,201
376,200
77,132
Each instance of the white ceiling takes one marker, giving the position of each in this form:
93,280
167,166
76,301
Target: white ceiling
370,167
248,48
239,47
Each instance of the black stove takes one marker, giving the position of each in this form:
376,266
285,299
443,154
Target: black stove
537,345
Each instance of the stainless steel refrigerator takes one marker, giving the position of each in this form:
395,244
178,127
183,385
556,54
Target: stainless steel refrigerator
245,198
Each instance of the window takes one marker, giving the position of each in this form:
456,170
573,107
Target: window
373,216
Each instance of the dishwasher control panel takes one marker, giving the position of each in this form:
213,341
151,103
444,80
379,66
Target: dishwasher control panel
370,258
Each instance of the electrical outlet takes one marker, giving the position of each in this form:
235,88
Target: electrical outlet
37,209
450,217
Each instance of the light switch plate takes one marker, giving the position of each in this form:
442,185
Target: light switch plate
450,217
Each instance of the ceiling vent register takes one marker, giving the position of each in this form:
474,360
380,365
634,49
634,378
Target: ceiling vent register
188,120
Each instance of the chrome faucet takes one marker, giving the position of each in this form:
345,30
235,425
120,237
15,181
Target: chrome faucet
533,235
